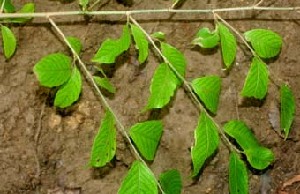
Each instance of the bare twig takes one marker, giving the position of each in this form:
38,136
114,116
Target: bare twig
2,6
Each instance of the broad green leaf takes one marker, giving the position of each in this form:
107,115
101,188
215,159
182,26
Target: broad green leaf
111,49
8,6
53,70
171,182
256,84
175,57
75,44
83,4
288,108
139,180
105,83
159,36
163,87
146,137
27,8
104,146
206,142
228,45
206,39
258,156
265,43
70,91
141,42
238,176
208,90
9,41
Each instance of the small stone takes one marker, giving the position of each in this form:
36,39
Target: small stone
54,120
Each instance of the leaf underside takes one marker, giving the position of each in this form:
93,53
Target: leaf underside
105,83
288,108
238,176
206,39
171,182
141,42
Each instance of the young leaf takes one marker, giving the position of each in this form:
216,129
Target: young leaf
266,43
208,90
53,70
83,4
159,36
146,137
256,84
171,182
163,87
175,57
75,44
138,180
206,39
111,49
9,41
105,83
104,146
27,8
141,42
238,176
206,142
288,108
70,91
259,157
8,6
228,45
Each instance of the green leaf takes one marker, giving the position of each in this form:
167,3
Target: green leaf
27,8
105,83
139,180
75,44
288,108
70,91
53,70
111,49
206,142
163,87
256,84
265,43
141,42
159,36
206,39
228,45
208,90
171,182
9,42
175,57
238,176
259,157
104,146
8,6
83,4
146,137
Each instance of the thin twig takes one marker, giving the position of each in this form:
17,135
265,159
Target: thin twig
2,6
187,87
145,11
90,79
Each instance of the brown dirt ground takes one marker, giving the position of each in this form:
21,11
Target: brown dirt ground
56,162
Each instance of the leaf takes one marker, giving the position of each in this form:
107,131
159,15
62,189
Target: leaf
228,45
111,49
177,3
83,4
159,36
175,57
288,108
256,84
266,43
206,39
53,70
75,44
27,8
70,91
141,42
9,41
146,137
104,146
208,90
8,6
258,156
206,142
171,182
104,83
139,180
238,176
163,87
